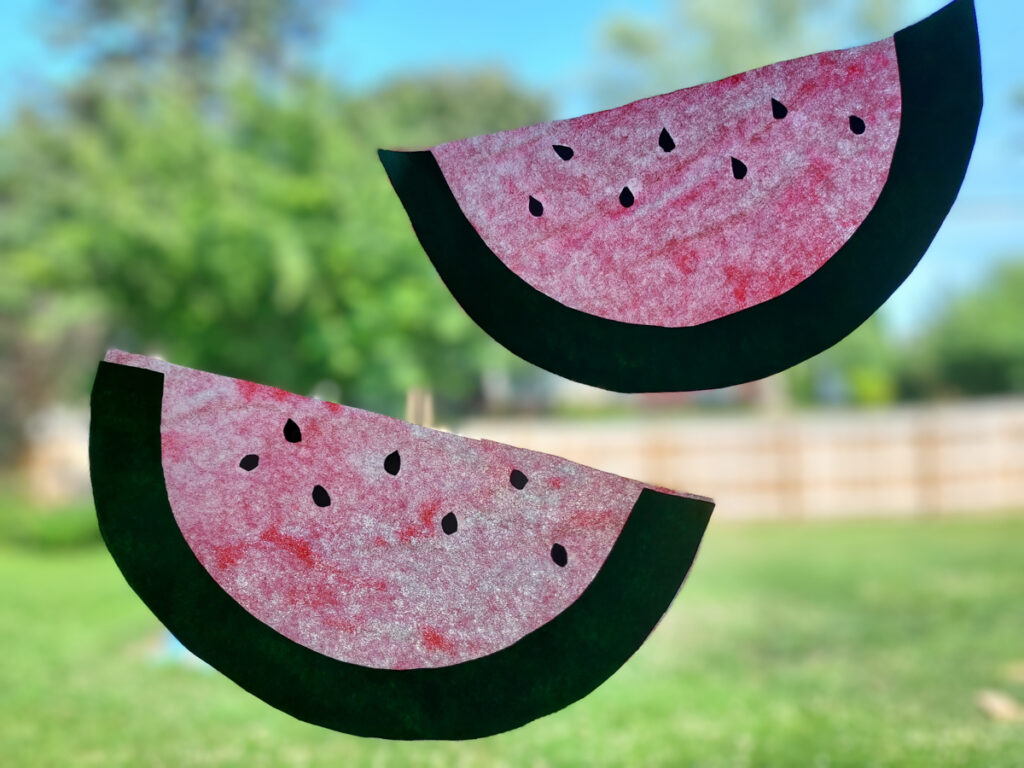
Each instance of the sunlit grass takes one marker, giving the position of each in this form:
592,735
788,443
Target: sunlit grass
29,524
821,644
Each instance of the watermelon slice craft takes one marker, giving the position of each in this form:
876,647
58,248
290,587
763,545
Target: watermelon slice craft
370,575
714,235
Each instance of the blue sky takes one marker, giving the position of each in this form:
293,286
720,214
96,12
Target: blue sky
553,46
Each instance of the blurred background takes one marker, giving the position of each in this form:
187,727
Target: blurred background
197,179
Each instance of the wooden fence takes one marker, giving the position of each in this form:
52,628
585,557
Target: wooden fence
962,457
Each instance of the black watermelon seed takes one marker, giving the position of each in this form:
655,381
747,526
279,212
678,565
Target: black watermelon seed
392,463
739,170
665,141
559,555
518,480
535,207
626,197
250,462
291,432
779,110
320,496
449,523
857,125
563,151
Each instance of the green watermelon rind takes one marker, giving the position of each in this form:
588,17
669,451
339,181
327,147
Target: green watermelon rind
940,80
544,671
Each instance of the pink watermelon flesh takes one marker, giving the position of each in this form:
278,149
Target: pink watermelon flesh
682,208
371,540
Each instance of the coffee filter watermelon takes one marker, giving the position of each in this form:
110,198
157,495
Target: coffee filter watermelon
694,242
371,575
713,235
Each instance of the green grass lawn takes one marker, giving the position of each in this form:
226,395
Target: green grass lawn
820,644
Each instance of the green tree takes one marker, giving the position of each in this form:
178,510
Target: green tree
192,34
198,45
702,40
446,106
259,238
975,345
861,369
267,245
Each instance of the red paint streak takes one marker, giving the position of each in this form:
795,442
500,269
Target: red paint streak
297,547
316,596
427,513
175,447
425,525
321,595
684,258
739,279
280,395
229,555
341,625
582,519
435,641
408,533
359,582
691,197
820,172
662,489
250,390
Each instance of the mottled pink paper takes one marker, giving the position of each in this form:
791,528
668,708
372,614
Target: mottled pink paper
697,243
372,578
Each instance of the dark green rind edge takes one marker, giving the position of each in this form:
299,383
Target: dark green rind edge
545,671
940,77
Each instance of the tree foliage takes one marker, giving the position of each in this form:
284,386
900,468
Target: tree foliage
254,234
862,369
702,40
266,244
194,34
975,346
